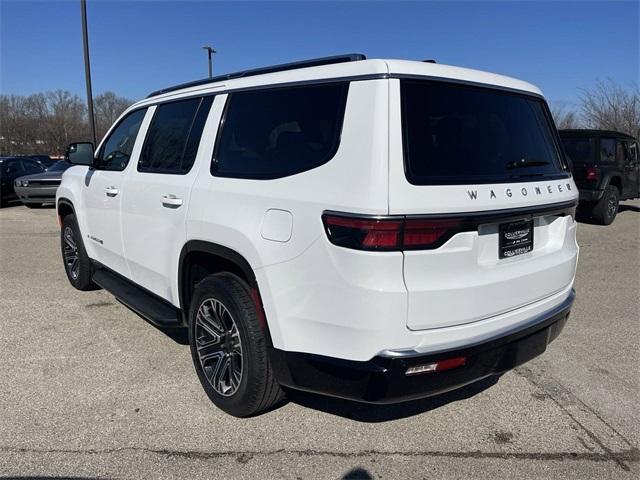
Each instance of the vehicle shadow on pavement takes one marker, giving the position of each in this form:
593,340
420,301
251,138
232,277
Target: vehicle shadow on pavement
628,208
361,412
583,216
372,413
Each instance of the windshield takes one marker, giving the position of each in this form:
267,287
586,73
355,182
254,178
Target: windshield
459,134
59,166
579,150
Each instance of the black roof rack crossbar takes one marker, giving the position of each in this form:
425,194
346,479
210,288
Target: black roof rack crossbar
314,62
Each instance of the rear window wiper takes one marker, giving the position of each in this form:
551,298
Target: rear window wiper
524,163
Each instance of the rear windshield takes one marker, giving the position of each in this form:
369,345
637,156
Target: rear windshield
459,134
579,150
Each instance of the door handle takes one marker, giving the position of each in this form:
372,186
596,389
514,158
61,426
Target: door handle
111,191
171,201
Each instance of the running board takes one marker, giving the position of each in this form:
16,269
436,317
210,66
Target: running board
154,309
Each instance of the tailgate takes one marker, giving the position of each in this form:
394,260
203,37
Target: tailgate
466,280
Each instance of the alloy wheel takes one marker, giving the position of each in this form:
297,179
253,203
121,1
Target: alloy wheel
71,260
612,206
218,347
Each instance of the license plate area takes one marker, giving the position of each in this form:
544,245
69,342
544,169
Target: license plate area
516,238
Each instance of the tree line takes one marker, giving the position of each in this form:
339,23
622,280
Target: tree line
45,123
606,106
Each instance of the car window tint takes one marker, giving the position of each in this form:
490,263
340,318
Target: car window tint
12,167
116,150
32,167
607,150
273,133
633,151
459,134
174,135
579,150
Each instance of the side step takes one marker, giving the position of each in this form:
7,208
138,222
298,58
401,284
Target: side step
156,310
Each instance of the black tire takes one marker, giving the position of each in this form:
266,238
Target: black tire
78,270
244,379
606,209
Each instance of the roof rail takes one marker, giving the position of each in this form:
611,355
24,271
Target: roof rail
314,62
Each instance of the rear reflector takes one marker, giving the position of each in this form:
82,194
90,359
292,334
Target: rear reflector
439,366
389,234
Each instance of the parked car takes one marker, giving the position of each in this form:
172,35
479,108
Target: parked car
606,169
40,188
378,230
46,160
12,168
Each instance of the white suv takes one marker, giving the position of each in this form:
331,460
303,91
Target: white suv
378,230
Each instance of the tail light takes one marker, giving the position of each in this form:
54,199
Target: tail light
389,234
592,174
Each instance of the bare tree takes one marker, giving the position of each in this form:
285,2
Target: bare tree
108,107
45,123
564,117
609,106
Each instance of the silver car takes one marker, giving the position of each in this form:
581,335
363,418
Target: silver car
40,188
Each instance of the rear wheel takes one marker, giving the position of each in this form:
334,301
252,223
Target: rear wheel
229,348
77,264
606,209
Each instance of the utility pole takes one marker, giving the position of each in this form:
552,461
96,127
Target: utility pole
87,69
210,52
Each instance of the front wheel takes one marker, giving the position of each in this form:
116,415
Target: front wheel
606,209
229,348
77,264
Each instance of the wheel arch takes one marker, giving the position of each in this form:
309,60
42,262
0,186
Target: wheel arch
615,180
199,258
64,207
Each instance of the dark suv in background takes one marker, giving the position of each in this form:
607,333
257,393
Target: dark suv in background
606,169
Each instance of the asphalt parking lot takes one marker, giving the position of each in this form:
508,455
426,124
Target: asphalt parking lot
90,390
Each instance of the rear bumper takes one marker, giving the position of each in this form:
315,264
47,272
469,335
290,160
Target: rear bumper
590,196
382,379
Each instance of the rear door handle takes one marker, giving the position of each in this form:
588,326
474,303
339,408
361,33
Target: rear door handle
171,201
111,191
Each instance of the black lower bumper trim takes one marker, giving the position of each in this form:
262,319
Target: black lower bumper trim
591,196
383,380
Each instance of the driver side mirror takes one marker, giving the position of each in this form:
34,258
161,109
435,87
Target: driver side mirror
80,153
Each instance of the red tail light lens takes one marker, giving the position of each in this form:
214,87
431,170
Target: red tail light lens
363,233
592,174
419,234
388,234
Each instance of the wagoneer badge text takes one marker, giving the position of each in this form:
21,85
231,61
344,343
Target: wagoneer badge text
524,191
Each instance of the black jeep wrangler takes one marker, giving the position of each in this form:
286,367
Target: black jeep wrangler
606,169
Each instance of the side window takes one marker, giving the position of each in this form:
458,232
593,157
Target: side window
13,167
32,167
174,136
273,133
627,152
634,155
116,149
607,150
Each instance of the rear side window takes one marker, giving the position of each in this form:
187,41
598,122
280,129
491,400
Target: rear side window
459,134
607,150
116,149
174,135
273,133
